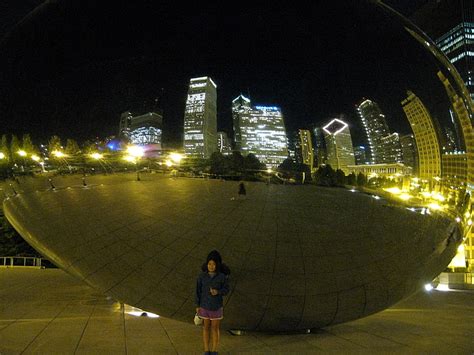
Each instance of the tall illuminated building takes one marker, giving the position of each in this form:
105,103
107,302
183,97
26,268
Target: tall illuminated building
200,118
306,147
360,155
409,155
260,130
427,143
339,148
450,24
376,128
241,106
319,146
390,149
223,143
145,129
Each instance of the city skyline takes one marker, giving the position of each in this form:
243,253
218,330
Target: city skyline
311,84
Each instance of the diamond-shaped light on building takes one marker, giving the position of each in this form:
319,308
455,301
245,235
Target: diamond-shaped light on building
335,127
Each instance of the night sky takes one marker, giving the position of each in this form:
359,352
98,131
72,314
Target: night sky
71,67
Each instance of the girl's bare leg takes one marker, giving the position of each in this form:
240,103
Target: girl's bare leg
215,325
206,328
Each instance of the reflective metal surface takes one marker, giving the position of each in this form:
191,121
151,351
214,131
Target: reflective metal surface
302,256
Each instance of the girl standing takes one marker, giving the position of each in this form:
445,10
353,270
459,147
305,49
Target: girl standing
212,285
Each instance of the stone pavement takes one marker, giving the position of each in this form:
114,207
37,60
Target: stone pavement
49,312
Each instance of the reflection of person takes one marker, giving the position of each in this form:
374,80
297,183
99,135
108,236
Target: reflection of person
211,285
242,191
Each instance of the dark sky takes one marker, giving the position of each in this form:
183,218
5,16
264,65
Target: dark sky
71,67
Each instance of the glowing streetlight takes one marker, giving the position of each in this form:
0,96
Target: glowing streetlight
135,151
176,157
129,158
58,154
35,158
22,153
169,163
96,156
2,156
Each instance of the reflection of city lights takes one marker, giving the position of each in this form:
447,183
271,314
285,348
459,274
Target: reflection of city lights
129,158
169,163
458,219
35,157
269,170
405,196
466,214
438,197
135,151
376,197
58,154
426,194
2,156
21,153
96,156
428,287
435,206
469,222
393,190
176,157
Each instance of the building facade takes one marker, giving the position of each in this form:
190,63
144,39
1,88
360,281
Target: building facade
450,24
200,118
427,143
391,150
241,106
360,155
306,144
260,131
409,152
224,145
375,126
339,148
145,129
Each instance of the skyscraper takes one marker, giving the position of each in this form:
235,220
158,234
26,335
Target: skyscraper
142,129
260,131
409,155
427,143
391,151
450,24
200,118
223,143
241,106
339,146
319,146
306,147
360,155
376,128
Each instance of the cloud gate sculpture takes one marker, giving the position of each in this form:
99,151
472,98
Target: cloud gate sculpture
302,256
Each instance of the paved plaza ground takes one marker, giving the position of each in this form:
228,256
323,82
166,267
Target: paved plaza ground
49,312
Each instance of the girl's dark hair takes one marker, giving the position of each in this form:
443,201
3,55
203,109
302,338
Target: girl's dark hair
220,266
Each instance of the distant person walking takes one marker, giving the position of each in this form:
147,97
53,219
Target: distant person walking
242,191
212,285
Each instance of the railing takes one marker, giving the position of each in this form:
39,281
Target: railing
20,261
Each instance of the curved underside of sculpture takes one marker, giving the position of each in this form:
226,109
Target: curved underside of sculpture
301,256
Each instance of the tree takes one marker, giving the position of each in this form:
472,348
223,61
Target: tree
251,162
236,162
361,180
4,149
72,147
89,147
351,179
325,176
54,144
218,164
340,177
14,148
27,144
